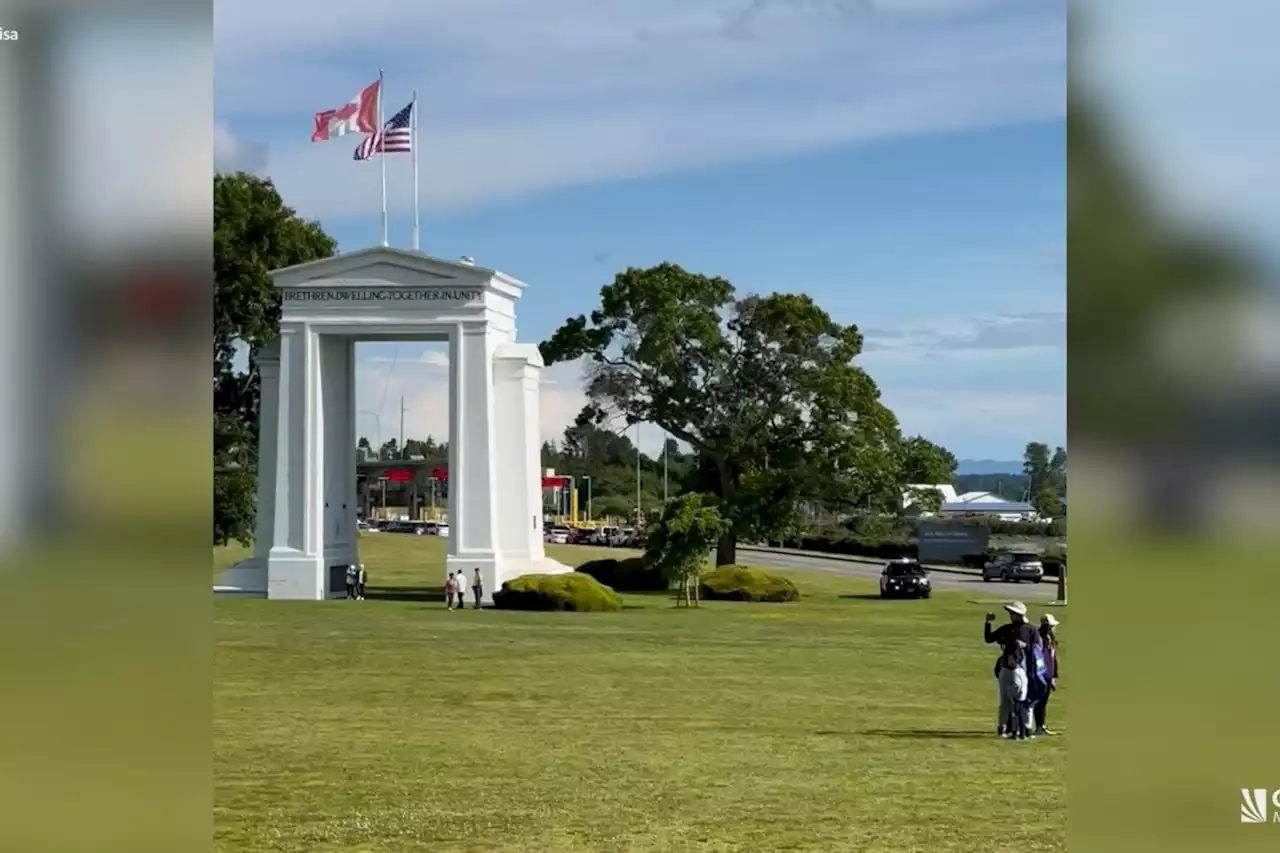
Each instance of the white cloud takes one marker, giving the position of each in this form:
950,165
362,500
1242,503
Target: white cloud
233,154
1000,419
517,99
1001,337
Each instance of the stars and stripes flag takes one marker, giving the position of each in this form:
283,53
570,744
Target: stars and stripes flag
396,137
359,115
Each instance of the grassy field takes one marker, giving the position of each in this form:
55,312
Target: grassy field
839,723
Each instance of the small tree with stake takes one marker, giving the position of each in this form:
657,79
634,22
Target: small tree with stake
679,544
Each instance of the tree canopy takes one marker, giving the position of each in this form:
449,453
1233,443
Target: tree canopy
765,389
1046,478
254,232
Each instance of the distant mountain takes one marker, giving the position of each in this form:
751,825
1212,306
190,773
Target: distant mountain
987,466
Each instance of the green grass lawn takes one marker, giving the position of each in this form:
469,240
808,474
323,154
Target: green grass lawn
839,723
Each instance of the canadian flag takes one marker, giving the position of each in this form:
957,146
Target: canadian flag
359,115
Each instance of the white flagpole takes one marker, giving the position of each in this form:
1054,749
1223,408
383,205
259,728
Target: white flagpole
383,158
413,142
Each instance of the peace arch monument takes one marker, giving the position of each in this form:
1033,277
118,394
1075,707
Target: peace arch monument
307,499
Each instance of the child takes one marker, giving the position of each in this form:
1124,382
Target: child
1013,691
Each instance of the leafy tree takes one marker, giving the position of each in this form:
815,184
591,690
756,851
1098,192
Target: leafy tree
1042,483
679,543
926,463
753,385
1058,470
253,234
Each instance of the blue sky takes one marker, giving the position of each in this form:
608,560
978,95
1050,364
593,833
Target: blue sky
903,162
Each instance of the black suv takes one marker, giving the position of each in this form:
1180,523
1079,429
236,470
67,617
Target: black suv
904,579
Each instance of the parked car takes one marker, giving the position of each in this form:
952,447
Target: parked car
905,579
442,529
1014,566
604,536
558,536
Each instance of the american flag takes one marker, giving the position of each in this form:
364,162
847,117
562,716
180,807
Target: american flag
396,137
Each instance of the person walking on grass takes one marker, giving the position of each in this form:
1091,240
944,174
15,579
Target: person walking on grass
1049,643
351,583
360,580
451,590
477,586
1013,716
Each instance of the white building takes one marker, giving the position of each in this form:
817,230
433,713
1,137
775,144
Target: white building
969,503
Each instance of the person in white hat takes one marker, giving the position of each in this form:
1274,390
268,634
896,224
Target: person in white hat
1049,643
1014,716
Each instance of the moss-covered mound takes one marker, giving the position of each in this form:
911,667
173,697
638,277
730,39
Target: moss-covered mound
574,591
630,575
743,583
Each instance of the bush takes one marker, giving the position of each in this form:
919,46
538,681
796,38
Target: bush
574,591
630,575
742,583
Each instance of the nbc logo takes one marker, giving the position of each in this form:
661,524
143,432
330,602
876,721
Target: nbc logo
1253,808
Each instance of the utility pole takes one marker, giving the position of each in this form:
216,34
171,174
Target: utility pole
639,514
400,446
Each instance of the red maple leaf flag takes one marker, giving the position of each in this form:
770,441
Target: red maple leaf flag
359,115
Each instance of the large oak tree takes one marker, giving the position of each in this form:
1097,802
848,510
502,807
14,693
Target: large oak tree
766,389
254,232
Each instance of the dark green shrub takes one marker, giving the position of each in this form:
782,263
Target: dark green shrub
602,570
744,583
630,575
635,575
574,591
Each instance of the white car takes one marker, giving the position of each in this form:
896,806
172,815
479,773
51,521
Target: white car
558,536
442,530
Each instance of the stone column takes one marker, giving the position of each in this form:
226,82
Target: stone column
295,567
336,431
517,371
472,469
267,360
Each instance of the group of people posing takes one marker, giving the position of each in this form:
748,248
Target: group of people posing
1027,671
455,590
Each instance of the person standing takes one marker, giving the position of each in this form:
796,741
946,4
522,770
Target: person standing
1049,642
351,583
477,587
451,590
1014,716
360,579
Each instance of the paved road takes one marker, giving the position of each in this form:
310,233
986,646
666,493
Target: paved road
1046,591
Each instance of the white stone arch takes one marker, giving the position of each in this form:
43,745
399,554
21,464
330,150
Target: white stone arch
306,531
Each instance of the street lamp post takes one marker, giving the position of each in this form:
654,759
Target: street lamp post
588,482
